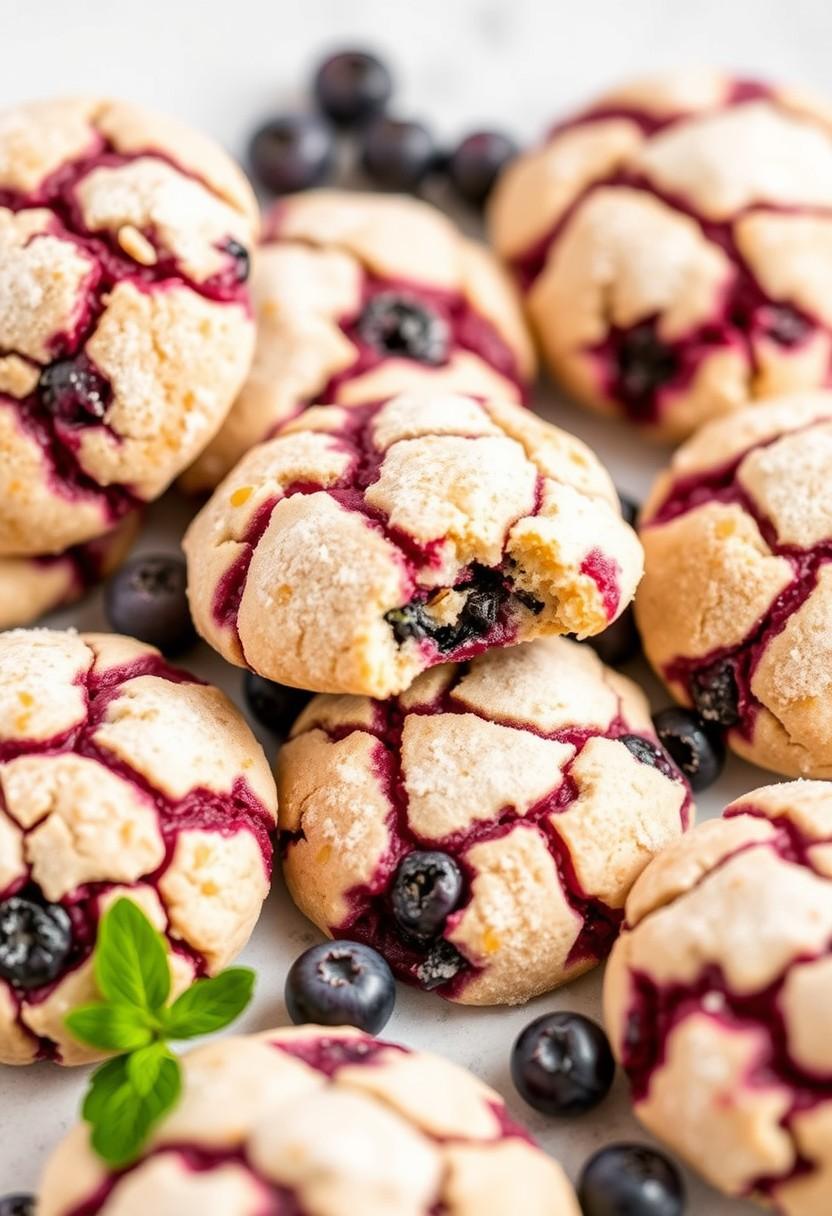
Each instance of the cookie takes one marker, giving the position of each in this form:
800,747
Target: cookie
32,586
717,997
120,776
363,545
125,325
735,609
358,297
525,790
323,1120
674,246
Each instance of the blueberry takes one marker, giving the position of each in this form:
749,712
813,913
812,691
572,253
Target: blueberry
275,706
644,365
715,693
425,891
352,86
35,941
292,152
398,155
147,599
629,509
341,983
697,748
17,1205
630,1180
619,642
787,326
74,392
240,257
396,324
648,753
440,965
476,161
485,596
562,1064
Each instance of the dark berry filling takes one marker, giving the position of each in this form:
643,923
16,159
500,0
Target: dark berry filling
73,391
396,324
35,941
643,365
485,596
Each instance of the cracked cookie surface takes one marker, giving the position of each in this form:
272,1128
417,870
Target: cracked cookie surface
125,327
735,608
358,297
717,995
119,776
535,770
319,1120
363,545
674,245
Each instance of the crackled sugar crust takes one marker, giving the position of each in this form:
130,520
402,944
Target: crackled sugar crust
124,245
32,586
327,254
514,766
717,997
349,553
674,243
324,1121
120,776
737,536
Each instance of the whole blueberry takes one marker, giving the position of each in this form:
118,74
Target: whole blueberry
645,364
147,599
697,748
74,392
630,1180
475,163
35,941
17,1205
275,706
292,152
397,154
351,86
426,889
341,983
398,324
562,1064
619,642
715,693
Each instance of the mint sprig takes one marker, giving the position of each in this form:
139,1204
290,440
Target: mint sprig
130,1093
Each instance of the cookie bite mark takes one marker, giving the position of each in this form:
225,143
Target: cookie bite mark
513,800
363,545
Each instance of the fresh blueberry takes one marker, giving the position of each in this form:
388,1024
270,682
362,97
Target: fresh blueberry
341,983
562,1064
35,941
630,1180
440,965
17,1205
74,392
619,642
399,325
147,599
648,753
645,363
697,748
476,161
292,152
715,693
425,891
629,509
275,706
352,86
398,155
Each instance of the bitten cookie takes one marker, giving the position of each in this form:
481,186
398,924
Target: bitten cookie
735,609
32,586
315,1119
483,829
119,776
359,296
125,328
362,546
674,245
717,997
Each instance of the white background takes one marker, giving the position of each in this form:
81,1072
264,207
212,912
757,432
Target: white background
224,64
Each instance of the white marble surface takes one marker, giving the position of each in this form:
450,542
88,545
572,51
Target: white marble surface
459,62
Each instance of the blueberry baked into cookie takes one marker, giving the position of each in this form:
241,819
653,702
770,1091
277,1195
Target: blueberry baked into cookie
735,609
674,245
125,326
481,830
323,1120
119,776
363,545
717,997
359,296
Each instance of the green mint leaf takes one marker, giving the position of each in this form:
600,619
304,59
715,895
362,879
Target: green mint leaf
121,1116
144,1067
110,1027
209,1005
131,962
